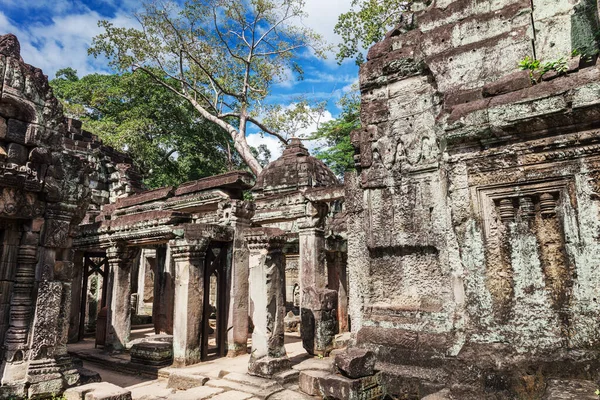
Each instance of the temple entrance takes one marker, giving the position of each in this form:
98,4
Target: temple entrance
214,318
93,297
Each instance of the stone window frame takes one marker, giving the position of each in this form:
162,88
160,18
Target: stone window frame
485,197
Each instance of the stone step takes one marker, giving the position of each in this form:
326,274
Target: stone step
152,390
288,377
259,387
198,393
97,391
234,395
290,395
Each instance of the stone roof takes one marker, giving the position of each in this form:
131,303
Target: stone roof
296,169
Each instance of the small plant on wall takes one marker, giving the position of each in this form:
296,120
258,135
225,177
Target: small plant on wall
537,69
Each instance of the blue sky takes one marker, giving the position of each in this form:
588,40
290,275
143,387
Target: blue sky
56,33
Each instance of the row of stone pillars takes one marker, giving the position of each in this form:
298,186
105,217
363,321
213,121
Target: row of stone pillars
257,270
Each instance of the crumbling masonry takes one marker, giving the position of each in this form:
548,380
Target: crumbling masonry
470,228
474,218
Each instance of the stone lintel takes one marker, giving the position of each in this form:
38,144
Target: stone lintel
265,239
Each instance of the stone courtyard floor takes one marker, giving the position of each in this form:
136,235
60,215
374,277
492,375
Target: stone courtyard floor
218,379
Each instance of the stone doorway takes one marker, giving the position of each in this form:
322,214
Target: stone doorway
214,318
93,296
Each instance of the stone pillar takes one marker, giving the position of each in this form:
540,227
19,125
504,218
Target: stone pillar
188,256
317,303
120,259
338,280
237,321
76,306
267,293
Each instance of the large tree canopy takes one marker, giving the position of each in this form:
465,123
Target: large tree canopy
222,56
366,24
337,151
161,131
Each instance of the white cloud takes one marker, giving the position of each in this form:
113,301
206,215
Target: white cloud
323,15
272,143
61,43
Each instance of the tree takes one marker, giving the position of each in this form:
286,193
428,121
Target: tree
161,131
222,56
367,23
337,151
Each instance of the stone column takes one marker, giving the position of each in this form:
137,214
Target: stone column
76,306
338,281
317,303
120,259
188,256
267,293
237,321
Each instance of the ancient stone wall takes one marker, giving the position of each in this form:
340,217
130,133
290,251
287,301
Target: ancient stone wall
44,194
473,218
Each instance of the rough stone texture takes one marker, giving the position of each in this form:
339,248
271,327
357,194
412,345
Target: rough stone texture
355,363
337,387
267,293
44,192
309,381
152,353
570,389
98,391
473,214
294,170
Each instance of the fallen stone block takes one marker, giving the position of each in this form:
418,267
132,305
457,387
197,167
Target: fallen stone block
355,363
308,381
182,380
98,391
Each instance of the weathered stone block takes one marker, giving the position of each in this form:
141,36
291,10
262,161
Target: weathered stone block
356,363
509,83
341,388
2,128
152,353
17,131
266,367
182,380
97,391
17,154
309,381
565,389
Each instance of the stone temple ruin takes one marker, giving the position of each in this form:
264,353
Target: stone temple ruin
463,255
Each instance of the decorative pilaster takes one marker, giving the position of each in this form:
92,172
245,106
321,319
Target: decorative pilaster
237,214
267,293
188,256
21,312
21,305
120,259
318,305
